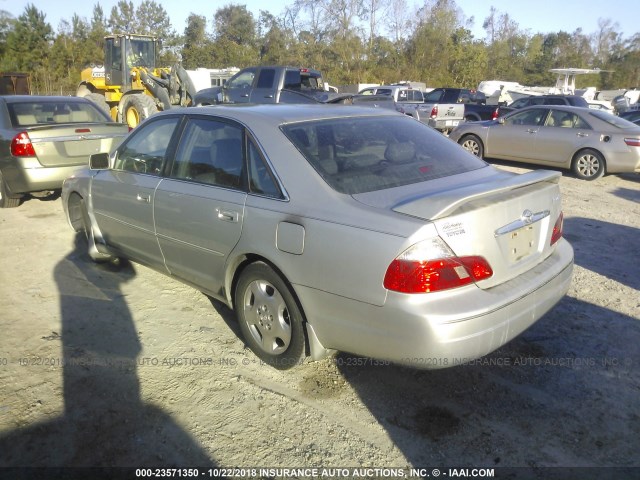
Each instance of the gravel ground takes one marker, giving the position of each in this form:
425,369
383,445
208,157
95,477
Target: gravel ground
105,366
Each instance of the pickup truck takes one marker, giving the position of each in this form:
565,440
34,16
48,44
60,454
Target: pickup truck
410,101
475,108
281,84
266,84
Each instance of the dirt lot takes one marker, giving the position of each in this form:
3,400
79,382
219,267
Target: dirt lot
125,367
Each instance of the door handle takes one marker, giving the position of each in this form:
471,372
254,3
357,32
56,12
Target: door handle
531,130
245,95
580,134
228,216
268,96
143,198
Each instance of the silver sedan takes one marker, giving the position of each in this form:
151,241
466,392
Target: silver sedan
589,142
44,139
331,228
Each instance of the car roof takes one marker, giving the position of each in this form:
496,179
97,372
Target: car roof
585,112
553,95
302,70
41,98
284,113
568,108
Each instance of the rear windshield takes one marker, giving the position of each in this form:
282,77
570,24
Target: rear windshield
363,154
613,119
24,114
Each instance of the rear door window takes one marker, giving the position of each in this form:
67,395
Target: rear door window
266,77
210,152
531,117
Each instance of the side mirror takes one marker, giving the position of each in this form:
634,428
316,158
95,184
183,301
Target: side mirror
99,161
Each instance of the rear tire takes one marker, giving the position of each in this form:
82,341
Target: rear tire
136,108
100,102
472,144
269,316
588,164
6,199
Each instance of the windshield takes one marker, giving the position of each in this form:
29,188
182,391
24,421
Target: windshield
141,53
363,154
26,114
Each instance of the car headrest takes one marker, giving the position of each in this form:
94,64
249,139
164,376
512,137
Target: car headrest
400,152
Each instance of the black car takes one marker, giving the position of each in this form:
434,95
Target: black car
570,100
632,116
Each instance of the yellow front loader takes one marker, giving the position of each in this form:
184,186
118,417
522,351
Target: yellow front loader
129,86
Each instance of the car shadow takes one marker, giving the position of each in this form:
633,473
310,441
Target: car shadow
489,412
630,177
603,248
105,423
227,315
628,194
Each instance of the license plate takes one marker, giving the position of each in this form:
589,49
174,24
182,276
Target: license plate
521,243
79,148
452,123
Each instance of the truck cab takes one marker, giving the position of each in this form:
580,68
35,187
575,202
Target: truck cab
264,84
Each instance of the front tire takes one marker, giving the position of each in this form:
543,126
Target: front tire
588,164
472,144
136,108
270,319
6,199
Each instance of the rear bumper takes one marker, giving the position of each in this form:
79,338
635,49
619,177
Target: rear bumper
440,330
443,124
24,175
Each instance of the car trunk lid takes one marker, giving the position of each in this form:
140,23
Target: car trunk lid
72,144
508,220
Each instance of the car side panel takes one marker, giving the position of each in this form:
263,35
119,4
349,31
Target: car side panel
556,145
123,207
502,139
335,257
197,226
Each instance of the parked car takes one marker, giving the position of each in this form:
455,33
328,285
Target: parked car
571,100
281,84
331,228
475,103
589,142
411,101
43,139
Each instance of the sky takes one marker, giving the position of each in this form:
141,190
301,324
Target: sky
537,16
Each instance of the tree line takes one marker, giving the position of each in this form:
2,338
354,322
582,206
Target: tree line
350,41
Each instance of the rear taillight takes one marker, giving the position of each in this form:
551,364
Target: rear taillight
21,146
434,111
495,114
430,266
557,230
632,142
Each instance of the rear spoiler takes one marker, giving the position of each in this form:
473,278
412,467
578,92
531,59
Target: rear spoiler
444,203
